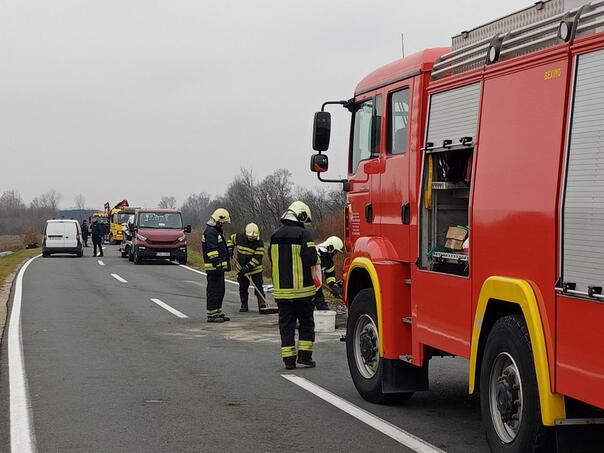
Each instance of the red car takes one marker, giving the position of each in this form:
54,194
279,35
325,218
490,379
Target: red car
158,234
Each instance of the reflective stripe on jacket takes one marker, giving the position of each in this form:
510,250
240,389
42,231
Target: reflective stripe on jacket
215,249
293,254
249,253
327,266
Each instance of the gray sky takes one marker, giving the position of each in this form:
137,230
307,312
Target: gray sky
144,98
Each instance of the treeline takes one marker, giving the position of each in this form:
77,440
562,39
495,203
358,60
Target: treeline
263,201
17,217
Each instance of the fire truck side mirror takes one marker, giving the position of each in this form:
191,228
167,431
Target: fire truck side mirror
319,163
321,131
188,229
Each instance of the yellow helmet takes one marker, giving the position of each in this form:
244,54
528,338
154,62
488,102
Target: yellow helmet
251,229
301,211
221,215
333,244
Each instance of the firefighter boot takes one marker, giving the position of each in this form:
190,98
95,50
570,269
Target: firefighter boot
223,317
244,306
290,363
215,318
305,359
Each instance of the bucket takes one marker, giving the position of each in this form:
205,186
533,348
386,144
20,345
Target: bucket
325,321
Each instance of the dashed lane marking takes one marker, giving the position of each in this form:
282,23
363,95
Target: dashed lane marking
165,306
119,279
387,428
22,437
101,263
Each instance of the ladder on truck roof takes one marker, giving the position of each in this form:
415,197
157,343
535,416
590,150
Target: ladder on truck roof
542,25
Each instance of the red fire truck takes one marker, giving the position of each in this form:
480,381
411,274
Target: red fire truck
475,221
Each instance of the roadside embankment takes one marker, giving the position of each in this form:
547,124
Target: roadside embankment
9,265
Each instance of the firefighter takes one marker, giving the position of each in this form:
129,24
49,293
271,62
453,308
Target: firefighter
293,255
327,251
98,233
250,251
216,259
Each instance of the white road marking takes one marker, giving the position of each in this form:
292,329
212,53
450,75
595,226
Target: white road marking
387,428
101,263
165,306
203,273
118,278
195,283
22,436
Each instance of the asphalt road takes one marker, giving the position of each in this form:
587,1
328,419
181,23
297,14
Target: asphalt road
109,370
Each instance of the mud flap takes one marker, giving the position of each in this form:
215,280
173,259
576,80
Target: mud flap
399,376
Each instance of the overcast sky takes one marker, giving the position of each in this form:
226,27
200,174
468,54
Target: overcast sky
142,98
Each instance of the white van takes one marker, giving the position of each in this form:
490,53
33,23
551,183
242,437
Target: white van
62,236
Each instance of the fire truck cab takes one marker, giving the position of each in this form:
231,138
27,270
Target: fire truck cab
475,219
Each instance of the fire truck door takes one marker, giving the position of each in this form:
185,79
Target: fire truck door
395,207
365,167
580,306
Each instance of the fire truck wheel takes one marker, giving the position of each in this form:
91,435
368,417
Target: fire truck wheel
509,396
362,351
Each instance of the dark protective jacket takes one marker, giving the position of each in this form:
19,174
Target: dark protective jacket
215,248
84,228
293,254
328,267
98,231
249,253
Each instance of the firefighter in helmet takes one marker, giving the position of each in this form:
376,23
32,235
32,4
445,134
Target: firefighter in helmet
216,259
327,250
293,255
250,252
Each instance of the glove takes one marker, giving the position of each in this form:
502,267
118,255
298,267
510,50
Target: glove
244,270
336,290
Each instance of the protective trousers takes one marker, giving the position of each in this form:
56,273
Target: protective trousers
215,292
97,243
290,311
244,285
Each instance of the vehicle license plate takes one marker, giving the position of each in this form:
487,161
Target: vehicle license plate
162,254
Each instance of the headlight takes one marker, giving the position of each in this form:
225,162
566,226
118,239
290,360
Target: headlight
182,238
141,237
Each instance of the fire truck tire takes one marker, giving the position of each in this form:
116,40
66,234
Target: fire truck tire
509,396
362,351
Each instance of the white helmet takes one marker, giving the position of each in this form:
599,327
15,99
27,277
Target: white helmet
252,230
333,244
301,211
221,215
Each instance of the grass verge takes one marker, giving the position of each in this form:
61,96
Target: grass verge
9,263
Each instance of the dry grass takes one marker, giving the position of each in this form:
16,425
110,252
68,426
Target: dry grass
11,242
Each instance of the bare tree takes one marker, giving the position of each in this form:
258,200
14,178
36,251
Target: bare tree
167,202
80,204
196,209
49,200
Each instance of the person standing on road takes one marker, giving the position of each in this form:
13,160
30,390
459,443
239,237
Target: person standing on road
250,252
293,255
216,257
327,250
98,233
85,233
